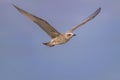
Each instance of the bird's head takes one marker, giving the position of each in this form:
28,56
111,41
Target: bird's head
69,35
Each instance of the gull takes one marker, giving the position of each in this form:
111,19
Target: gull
57,38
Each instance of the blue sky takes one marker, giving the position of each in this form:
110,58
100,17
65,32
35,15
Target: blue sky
91,55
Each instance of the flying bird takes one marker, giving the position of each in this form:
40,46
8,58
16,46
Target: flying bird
57,38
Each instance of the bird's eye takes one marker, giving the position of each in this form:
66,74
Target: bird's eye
68,34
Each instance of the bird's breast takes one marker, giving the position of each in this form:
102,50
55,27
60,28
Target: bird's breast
60,40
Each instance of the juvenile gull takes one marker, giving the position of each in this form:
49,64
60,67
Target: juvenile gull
57,38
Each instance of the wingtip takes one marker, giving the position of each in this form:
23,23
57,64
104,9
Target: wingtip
99,9
16,7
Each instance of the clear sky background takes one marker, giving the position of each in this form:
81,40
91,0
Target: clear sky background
94,54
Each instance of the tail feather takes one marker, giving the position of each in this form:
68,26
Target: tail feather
48,44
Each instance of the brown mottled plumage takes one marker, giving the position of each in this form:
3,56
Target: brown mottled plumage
56,37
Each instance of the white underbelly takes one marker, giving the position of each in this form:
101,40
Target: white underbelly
60,40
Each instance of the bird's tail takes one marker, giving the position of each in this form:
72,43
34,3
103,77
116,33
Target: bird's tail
48,44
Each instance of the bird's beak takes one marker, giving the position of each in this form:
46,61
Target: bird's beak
74,34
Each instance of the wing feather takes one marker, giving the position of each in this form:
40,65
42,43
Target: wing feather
52,32
93,15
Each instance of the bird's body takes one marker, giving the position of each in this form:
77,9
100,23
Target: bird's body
57,38
61,39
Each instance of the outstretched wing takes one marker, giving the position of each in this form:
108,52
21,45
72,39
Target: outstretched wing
93,15
52,32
